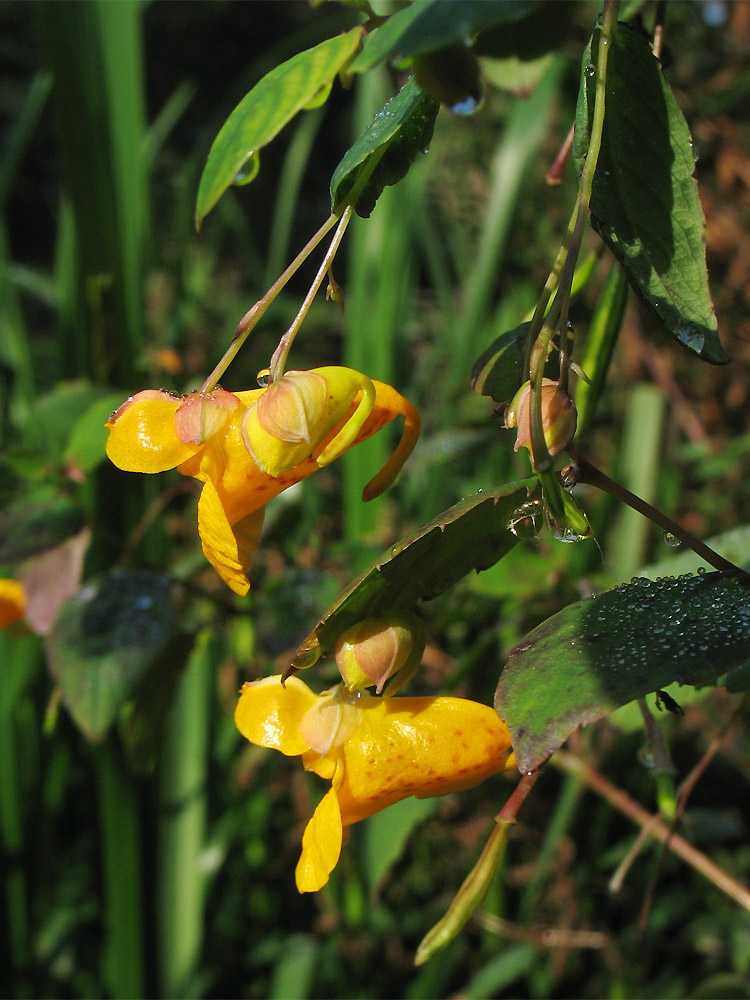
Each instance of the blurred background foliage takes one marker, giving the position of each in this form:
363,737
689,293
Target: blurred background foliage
159,861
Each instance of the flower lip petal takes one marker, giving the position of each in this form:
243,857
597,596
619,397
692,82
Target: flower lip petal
142,434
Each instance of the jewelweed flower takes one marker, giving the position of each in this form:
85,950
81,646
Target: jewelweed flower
559,416
247,447
12,602
375,751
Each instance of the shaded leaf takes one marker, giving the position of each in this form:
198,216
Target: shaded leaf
56,414
300,82
426,26
451,75
397,133
473,534
497,371
105,639
644,201
31,526
603,652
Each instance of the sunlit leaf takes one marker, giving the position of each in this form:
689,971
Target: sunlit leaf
396,135
603,652
645,201
432,24
298,83
86,446
103,642
473,534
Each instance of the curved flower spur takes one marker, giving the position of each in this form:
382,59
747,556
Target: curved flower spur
247,447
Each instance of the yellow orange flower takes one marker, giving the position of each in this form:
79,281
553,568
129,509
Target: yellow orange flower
12,602
375,751
247,447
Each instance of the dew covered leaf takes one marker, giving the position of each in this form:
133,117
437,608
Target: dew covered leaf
296,84
644,201
603,652
433,24
473,534
104,640
397,134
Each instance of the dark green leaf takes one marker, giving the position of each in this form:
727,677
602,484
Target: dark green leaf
432,24
397,133
497,371
603,652
451,75
645,201
103,642
294,85
473,534
32,526
56,414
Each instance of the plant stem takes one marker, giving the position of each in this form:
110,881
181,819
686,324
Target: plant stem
540,334
278,361
253,315
657,829
588,473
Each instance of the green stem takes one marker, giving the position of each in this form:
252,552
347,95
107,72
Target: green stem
558,313
253,315
278,361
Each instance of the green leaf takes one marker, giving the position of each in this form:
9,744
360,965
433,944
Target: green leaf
104,640
293,86
427,25
30,526
56,414
644,201
473,534
397,133
452,76
497,371
603,652
86,446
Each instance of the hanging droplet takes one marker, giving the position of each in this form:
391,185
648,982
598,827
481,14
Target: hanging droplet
590,71
248,171
561,531
671,540
527,520
263,377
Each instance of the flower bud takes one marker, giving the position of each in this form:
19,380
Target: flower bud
559,416
203,414
373,651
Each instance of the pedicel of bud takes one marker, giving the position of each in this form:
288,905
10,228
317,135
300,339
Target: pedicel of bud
558,416
374,650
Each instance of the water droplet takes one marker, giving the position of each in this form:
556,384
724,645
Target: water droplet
590,71
249,169
263,377
671,540
526,521
701,571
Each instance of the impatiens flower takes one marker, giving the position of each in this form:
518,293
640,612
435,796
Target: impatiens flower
12,602
559,416
375,751
247,447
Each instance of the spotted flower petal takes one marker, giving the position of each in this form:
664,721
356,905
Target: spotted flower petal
376,751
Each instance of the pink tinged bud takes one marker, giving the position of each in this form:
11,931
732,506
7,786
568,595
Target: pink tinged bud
203,414
330,722
374,650
559,416
288,421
